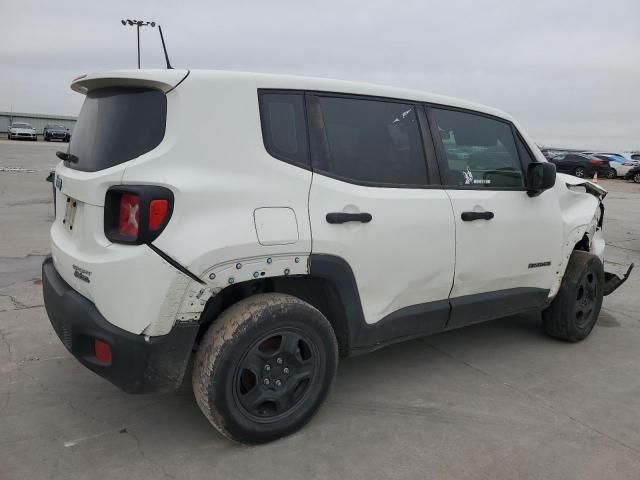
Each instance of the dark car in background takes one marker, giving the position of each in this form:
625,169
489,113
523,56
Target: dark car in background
580,165
633,174
56,132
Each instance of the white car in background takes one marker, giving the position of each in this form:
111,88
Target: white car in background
620,164
21,131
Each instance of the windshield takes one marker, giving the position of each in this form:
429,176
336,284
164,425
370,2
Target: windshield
21,125
55,127
117,124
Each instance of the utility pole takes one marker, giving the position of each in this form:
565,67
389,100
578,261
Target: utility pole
138,24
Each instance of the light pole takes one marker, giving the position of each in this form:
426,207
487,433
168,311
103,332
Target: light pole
138,24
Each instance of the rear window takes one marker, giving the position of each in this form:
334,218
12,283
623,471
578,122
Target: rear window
117,124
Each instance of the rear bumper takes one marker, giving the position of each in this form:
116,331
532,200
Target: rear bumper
139,365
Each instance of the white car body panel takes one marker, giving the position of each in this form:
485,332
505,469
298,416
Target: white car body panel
415,250
404,256
495,254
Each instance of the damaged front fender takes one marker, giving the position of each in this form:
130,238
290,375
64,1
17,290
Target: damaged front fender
593,233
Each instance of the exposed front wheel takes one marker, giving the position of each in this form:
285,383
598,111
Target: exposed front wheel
264,367
574,312
636,177
580,172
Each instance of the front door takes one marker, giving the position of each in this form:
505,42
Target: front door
507,243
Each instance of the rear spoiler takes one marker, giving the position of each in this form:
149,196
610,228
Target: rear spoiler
165,80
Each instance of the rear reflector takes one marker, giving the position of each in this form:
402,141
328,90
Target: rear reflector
158,210
129,215
103,351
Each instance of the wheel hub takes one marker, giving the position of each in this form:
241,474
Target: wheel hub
275,375
585,299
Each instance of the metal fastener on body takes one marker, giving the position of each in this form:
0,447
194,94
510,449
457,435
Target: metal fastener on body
279,361
256,274
297,259
266,381
285,370
286,271
231,280
269,260
212,276
238,266
278,383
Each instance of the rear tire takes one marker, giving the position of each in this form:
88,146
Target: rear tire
575,309
636,177
264,367
580,172
611,174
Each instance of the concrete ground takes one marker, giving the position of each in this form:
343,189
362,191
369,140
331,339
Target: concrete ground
495,401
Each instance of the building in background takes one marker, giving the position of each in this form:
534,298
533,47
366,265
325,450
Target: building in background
37,120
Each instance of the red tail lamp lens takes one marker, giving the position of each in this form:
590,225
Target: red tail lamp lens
129,215
158,210
102,350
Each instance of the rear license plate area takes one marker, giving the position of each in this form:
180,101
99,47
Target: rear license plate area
70,213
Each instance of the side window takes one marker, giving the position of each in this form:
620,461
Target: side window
371,142
284,130
480,151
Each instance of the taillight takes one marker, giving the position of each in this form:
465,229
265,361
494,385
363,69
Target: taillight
128,225
136,214
158,210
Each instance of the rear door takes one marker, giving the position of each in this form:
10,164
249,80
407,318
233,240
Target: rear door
507,243
372,203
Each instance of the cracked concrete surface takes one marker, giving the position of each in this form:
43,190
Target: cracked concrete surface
492,401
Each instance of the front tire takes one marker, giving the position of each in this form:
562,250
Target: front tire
580,172
636,177
611,174
575,309
264,367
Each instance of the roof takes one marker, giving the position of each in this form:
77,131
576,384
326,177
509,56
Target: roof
167,79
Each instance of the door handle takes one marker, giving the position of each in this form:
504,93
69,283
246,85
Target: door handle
471,216
341,217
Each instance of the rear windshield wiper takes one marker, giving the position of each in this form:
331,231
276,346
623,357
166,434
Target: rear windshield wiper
67,157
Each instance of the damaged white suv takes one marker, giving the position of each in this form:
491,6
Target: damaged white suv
269,224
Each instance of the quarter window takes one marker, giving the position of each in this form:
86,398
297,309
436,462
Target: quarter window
480,152
371,142
284,127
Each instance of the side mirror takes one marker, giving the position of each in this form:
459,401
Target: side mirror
541,176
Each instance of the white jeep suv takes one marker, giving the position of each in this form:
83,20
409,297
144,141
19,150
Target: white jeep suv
269,224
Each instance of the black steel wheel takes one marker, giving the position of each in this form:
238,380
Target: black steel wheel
264,367
574,311
275,374
580,172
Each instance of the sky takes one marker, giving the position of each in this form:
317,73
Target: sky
567,70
